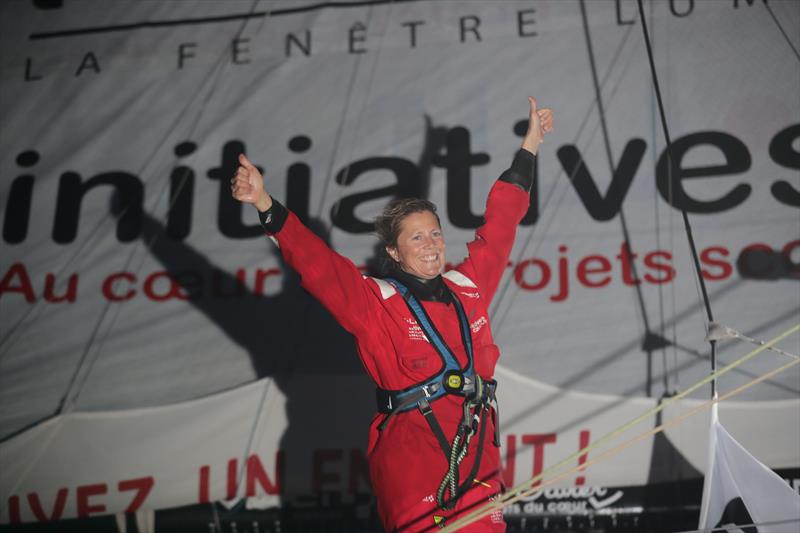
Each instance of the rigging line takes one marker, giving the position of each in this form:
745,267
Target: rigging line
665,129
503,290
571,422
340,127
628,250
360,115
662,330
517,492
516,495
671,227
85,363
785,36
719,332
649,433
687,226
38,308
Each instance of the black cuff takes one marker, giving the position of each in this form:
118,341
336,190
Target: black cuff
521,171
272,219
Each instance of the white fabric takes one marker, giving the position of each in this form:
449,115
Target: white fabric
734,473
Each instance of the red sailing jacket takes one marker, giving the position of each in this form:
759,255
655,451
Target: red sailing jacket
406,461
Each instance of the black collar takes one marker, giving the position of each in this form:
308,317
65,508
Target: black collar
429,290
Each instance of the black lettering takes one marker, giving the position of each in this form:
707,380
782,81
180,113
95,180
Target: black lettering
476,22
29,75
48,4
781,151
523,21
412,27
89,61
239,49
620,20
185,52
749,3
128,197
685,13
229,210
669,180
298,180
601,208
458,160
18,203
181,192
357,35
408,185
305,48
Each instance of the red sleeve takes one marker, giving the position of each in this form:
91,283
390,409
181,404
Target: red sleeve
331,278
488,253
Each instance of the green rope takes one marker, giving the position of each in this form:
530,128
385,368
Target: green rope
499,503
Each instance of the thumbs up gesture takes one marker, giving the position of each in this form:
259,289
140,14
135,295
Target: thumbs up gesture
247,185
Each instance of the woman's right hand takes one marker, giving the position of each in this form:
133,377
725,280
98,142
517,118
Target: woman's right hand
540,122
247,185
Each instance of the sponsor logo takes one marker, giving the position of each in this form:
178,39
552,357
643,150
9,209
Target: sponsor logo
478,324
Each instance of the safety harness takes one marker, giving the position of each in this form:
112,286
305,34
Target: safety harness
478,394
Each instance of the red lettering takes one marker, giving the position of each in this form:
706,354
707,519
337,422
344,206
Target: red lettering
218,291
666,268
563,277
256,473
84,493
173,287
232,465
538,441
319,476
203,496
626,258
109,286
786,252
13,510
58,506
707,259
191,282
68,295
519,274
584,270
24,284
261,279
359,470
511,461
583,442
142,486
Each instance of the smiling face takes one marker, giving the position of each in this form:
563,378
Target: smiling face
420,246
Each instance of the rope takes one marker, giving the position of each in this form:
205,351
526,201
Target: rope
687,226
628,250
783,32
627,444
510,497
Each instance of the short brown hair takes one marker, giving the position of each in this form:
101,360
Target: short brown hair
387,224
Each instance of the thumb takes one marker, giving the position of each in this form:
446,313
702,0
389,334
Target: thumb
246,162
532,101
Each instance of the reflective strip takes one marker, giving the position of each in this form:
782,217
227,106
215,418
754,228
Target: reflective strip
387,289
459,279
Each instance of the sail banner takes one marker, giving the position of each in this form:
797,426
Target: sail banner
156,352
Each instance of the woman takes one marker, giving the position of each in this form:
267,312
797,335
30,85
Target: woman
423,336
